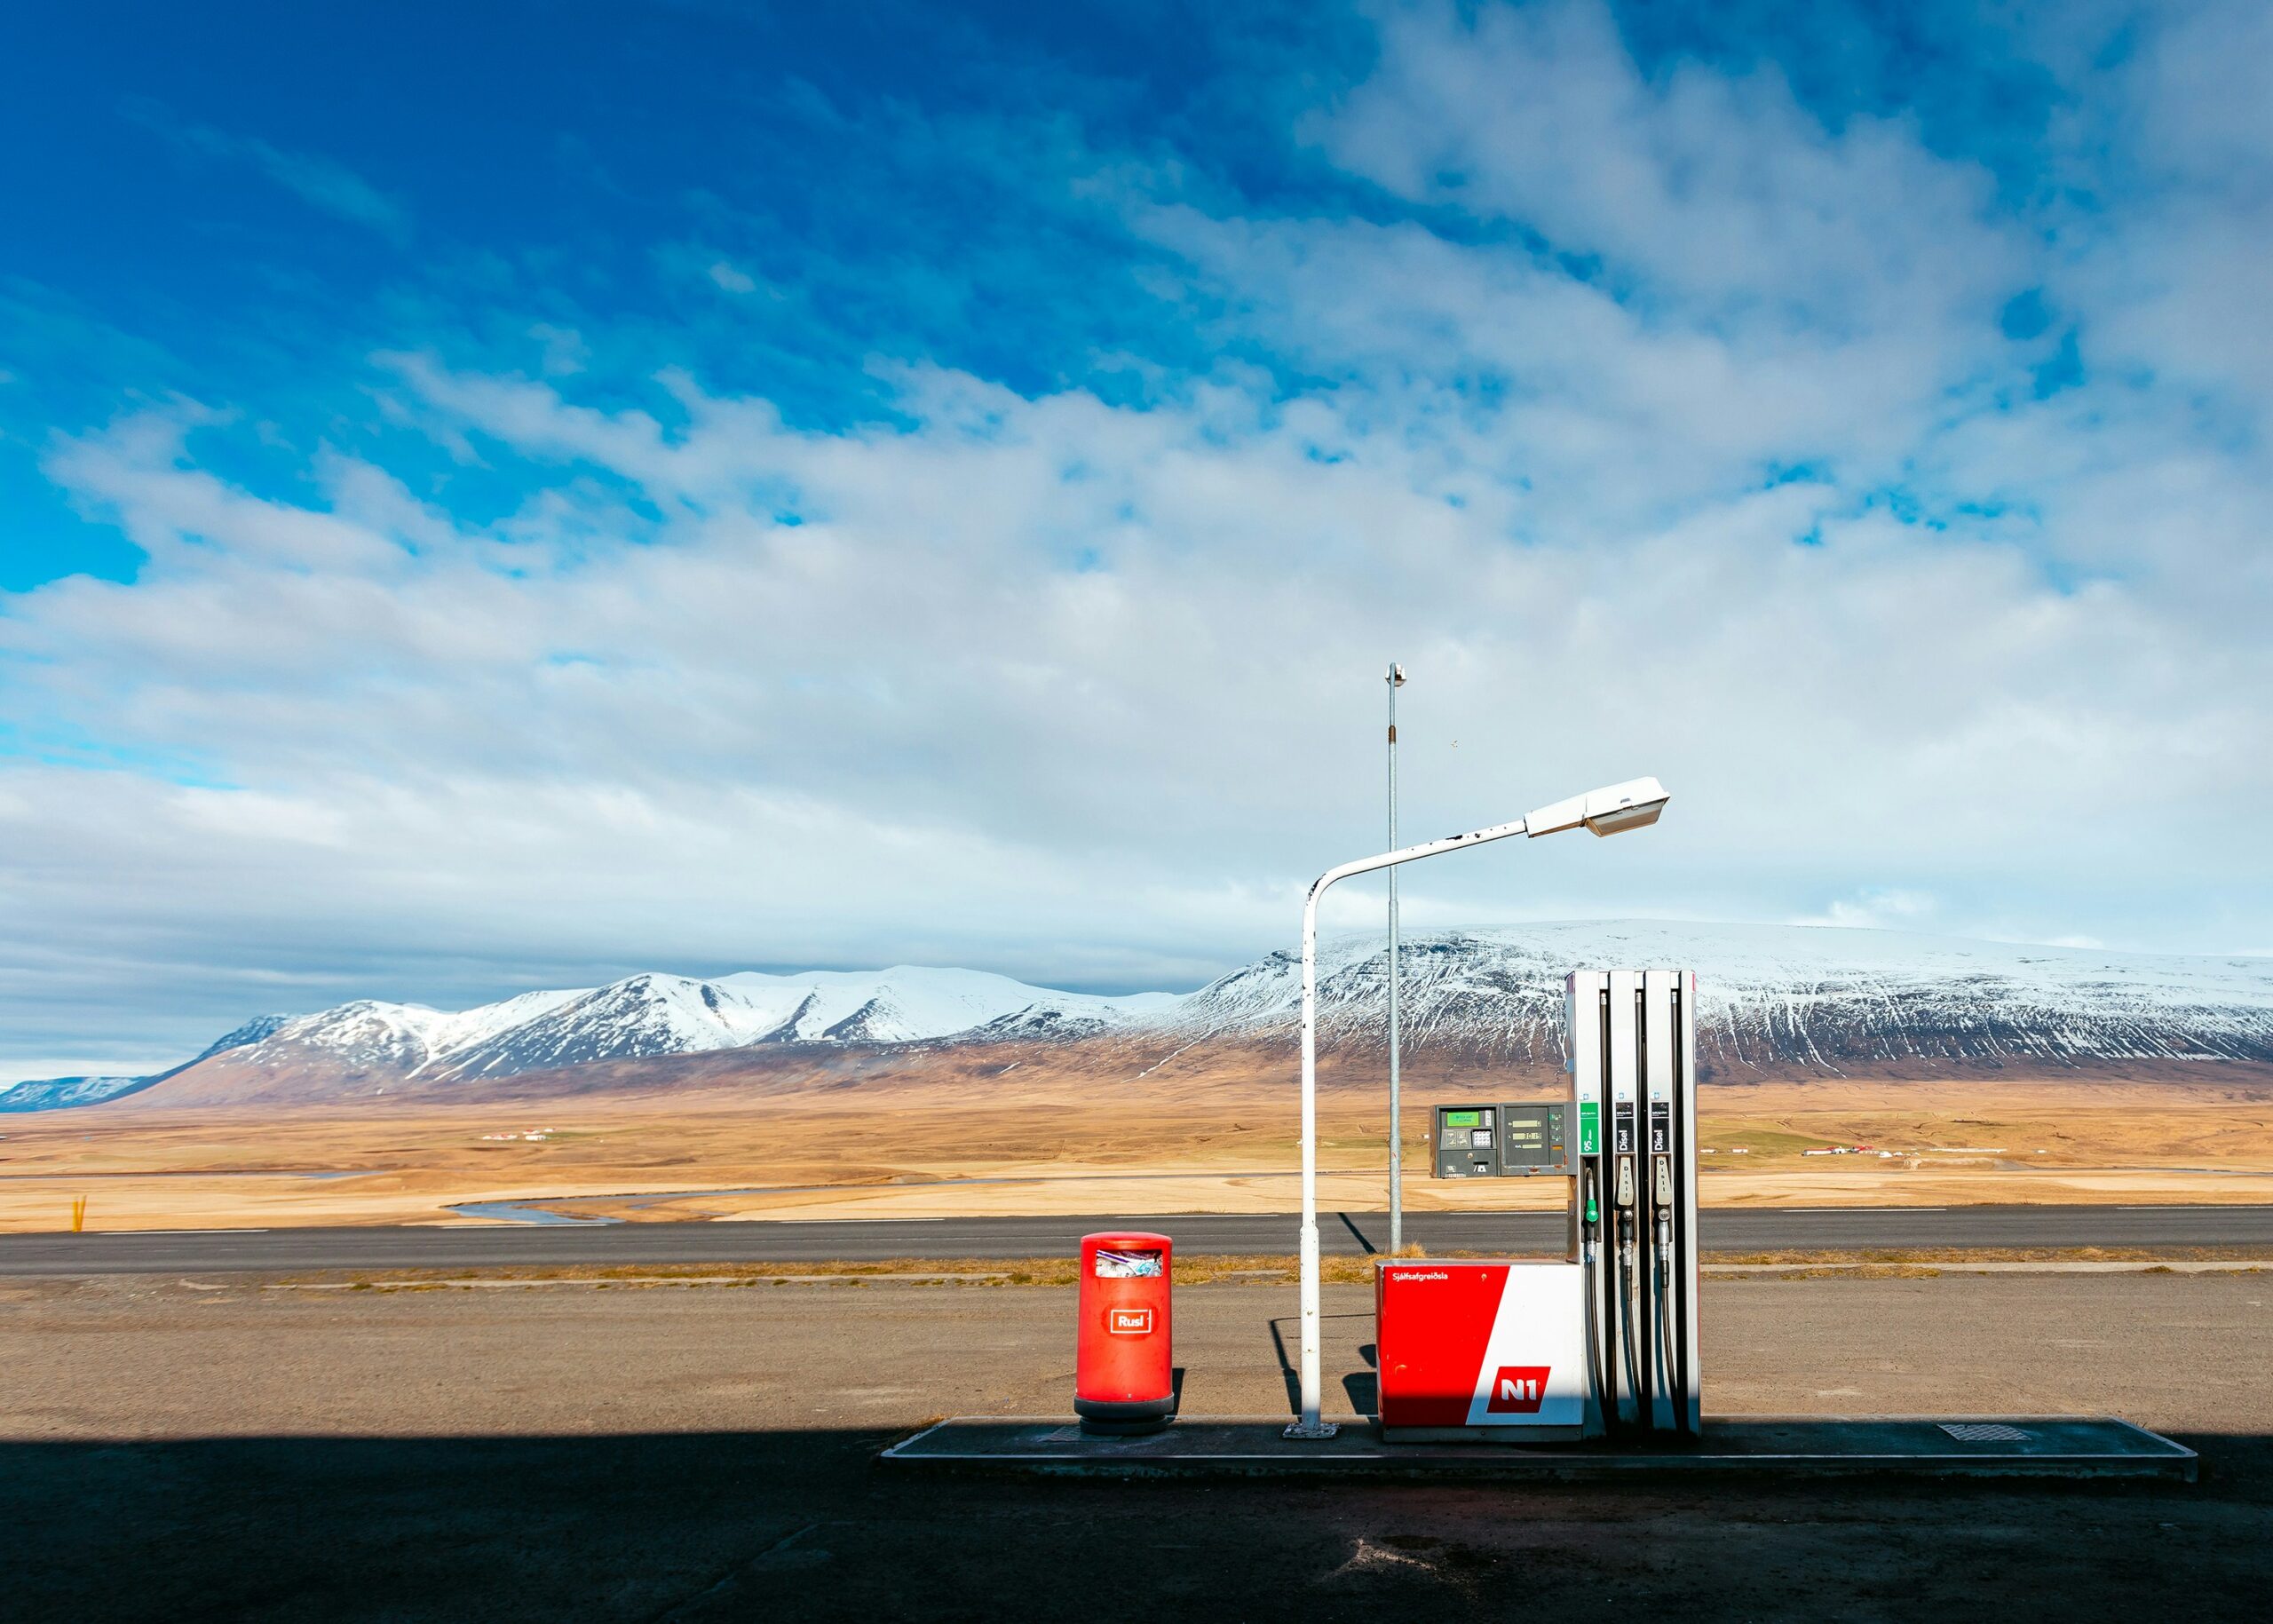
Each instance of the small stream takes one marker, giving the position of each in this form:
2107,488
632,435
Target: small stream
521,1212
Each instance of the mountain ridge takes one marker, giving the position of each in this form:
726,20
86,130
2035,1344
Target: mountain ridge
1816,999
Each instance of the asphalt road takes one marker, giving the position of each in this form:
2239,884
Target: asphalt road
162,1251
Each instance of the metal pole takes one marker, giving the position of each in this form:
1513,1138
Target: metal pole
1311,1423
1395,1117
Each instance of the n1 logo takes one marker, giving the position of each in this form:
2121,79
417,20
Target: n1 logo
1129,1321
1518,1389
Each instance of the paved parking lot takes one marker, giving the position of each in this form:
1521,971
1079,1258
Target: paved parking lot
221,1449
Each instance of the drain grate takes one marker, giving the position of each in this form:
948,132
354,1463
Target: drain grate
1983,1432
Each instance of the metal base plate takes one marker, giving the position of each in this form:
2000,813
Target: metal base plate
1802,1445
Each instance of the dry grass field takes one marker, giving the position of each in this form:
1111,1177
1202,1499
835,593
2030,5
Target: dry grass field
977,1132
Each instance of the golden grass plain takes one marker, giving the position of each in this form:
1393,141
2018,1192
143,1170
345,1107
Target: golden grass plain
966,1135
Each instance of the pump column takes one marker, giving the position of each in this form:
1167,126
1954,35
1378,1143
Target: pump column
1585,994
1670,1278
1633,1048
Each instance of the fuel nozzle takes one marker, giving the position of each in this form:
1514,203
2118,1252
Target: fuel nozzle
1665,1238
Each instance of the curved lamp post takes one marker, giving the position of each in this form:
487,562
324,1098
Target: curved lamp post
1631,806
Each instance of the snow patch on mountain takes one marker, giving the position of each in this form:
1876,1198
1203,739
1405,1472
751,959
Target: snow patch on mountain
909,1005
251,1032
455,1033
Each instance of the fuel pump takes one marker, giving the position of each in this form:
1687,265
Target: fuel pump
1603,1340
1631,1038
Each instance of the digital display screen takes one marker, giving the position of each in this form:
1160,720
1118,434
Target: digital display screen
1463,1119
1529,1138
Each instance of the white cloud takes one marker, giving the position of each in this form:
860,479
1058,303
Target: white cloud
1705,187
919,725
732,277
1087,691
2177,282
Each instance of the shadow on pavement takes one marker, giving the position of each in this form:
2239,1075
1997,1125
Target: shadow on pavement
1365,1246
1285,1332
800,1526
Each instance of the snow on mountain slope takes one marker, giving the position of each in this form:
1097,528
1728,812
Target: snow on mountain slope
1775,995
453,1034
668,1015
908,1005
1769,997
640,1016
654,1014
252,1032
52,1093
364,1035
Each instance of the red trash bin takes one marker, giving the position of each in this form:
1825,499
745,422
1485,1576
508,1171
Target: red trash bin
1124,1376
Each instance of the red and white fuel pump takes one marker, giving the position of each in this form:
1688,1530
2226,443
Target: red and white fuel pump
1602,1340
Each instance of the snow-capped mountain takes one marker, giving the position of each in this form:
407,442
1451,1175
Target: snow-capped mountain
650,1015
1775,995
1771,998
674,1014
53,1093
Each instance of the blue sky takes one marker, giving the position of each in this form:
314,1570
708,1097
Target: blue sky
504,495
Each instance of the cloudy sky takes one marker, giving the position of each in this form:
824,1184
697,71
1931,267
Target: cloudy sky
504,495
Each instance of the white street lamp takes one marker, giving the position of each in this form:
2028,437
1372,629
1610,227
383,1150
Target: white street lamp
1631,806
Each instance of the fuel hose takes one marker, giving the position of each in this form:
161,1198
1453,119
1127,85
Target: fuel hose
1664,1273
1590,1232
1625,1291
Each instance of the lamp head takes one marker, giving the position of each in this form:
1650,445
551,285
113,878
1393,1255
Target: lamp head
1396,676
1633,805
1628,806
